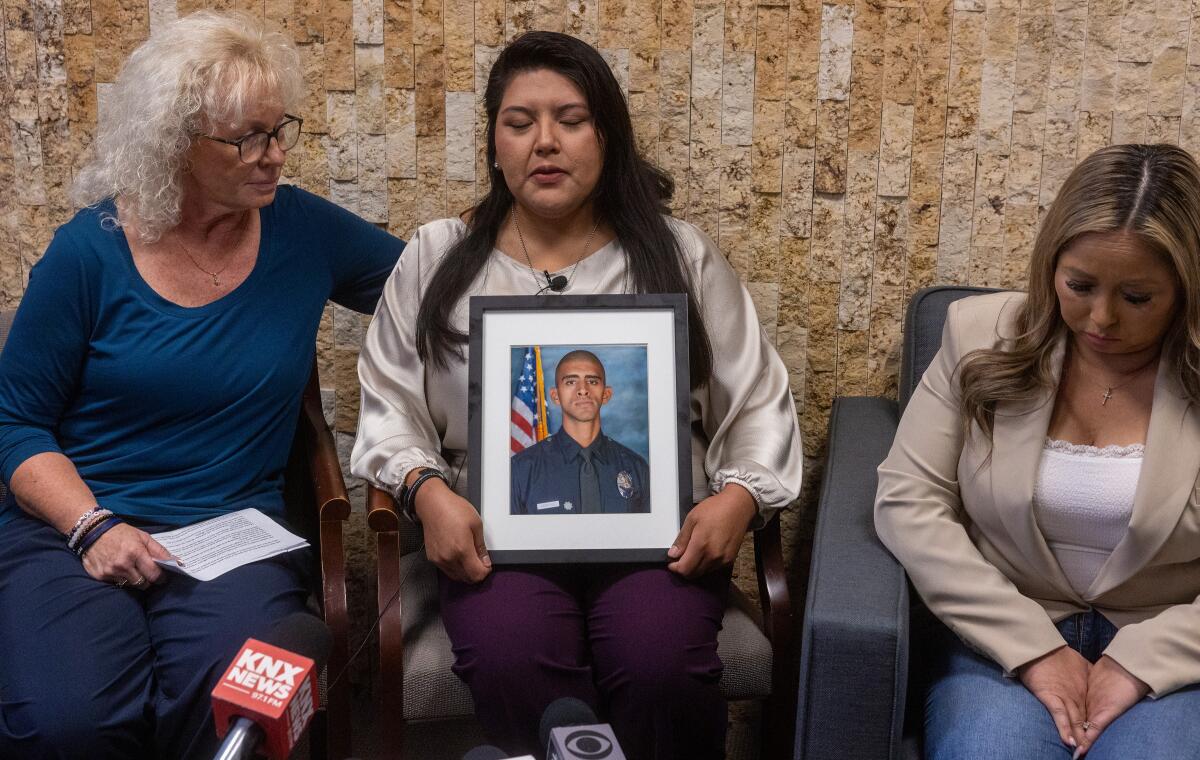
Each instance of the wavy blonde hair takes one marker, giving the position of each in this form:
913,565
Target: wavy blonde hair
206,68
1151,191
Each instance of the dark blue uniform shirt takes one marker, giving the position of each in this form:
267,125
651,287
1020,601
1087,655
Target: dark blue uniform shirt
545,477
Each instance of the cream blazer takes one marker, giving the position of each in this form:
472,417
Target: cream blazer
963,526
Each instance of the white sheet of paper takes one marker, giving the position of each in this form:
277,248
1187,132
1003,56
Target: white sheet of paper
212,548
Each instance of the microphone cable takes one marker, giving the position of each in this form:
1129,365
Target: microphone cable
373,631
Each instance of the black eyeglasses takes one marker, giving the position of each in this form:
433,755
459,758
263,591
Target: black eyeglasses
252,147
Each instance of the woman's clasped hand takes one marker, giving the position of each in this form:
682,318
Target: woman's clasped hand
1082,698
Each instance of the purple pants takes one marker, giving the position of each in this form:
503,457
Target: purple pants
638,644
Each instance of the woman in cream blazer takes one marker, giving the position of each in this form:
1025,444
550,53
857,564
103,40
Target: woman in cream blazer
993,498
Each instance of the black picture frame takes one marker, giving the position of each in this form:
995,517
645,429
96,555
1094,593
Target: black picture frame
498,324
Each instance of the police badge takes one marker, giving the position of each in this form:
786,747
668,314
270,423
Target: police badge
624,484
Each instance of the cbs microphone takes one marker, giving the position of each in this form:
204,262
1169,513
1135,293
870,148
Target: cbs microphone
571,731
268,694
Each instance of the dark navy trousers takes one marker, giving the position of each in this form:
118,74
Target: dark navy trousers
88,670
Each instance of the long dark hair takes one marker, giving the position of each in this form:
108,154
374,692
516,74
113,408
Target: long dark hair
630,197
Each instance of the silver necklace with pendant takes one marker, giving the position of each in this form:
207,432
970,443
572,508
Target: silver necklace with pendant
556,284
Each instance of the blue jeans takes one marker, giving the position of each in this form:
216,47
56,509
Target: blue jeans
972,712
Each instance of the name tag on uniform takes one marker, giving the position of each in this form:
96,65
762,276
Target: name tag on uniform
548,505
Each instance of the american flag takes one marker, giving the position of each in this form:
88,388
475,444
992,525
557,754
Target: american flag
528,424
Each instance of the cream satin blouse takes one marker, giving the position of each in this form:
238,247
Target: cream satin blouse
415,415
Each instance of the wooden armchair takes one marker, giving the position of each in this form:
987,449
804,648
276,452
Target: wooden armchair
416,683
317,506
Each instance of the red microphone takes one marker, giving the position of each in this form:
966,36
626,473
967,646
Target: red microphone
268,695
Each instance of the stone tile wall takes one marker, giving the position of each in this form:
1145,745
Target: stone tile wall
843,153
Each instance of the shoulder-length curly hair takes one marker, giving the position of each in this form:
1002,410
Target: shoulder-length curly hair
204,69
1151,191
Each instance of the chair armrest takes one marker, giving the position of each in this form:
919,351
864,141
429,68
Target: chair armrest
383,516
772,587
854,640
779,626
329,487
333,510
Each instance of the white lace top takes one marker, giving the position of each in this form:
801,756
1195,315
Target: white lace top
1082,501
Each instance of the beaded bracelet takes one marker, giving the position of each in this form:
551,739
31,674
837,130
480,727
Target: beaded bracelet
99,516
82,519
95,533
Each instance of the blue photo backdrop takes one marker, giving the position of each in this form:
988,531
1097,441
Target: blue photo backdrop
624,418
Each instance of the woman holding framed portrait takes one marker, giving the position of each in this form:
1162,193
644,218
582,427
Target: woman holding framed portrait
572,208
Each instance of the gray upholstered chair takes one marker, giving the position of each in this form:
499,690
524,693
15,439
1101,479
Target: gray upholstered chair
317,505
417,685
857,656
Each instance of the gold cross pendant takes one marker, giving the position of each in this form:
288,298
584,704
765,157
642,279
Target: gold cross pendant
216,282
1107,396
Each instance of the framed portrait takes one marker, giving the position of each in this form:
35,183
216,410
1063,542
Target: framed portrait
579,414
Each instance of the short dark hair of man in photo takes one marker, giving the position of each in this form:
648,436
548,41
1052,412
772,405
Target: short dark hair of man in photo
579,470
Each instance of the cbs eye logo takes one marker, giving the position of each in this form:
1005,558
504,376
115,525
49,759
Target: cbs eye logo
587,744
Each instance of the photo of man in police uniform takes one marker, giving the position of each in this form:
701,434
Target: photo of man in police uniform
579,470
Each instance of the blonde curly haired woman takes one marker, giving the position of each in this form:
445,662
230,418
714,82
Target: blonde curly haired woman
152,380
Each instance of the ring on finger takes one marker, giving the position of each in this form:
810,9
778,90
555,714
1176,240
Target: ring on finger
122,583
142,581
1087,725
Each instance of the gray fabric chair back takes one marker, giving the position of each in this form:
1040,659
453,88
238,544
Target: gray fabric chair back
923,331
411,537
6,320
